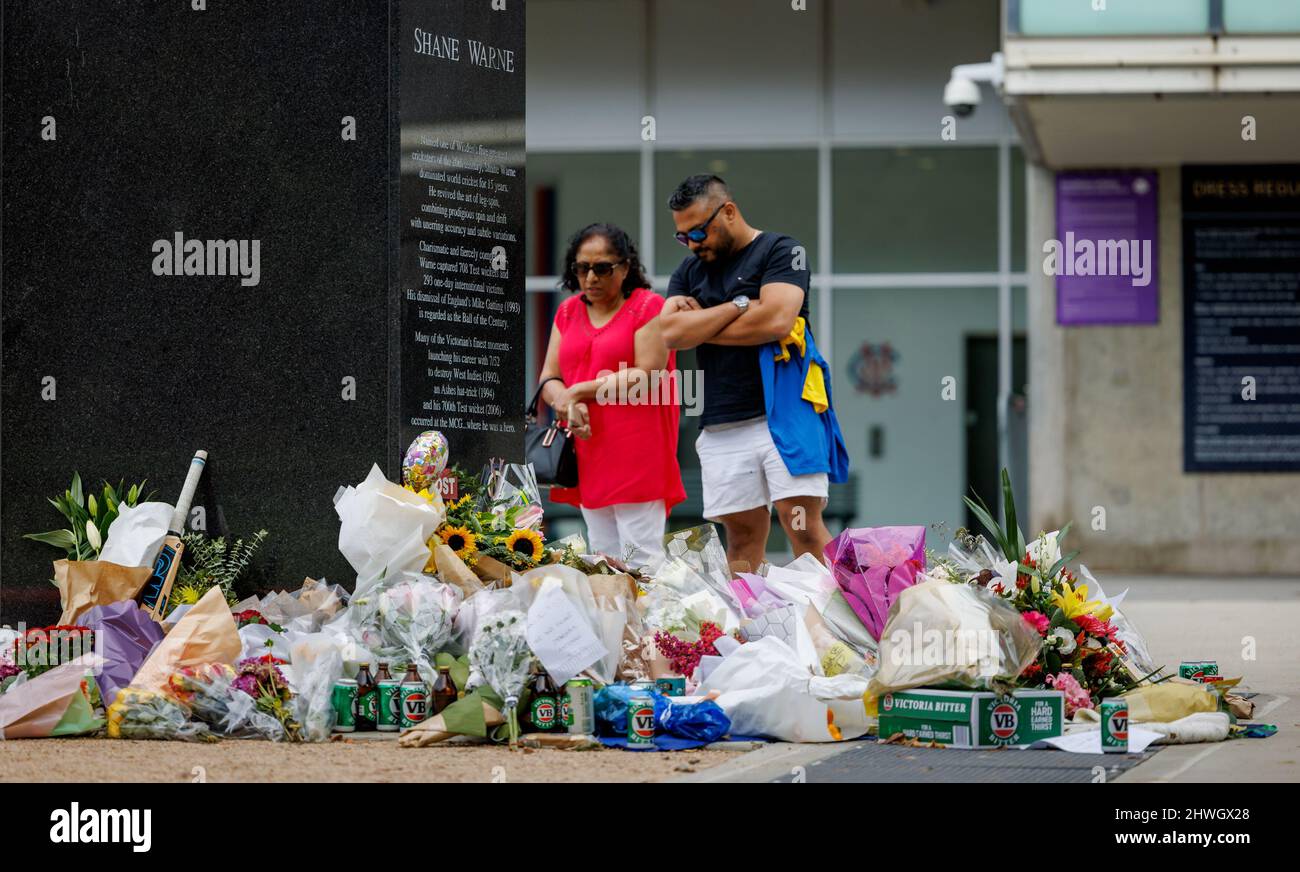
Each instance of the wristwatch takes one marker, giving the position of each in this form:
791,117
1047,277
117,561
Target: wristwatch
742,302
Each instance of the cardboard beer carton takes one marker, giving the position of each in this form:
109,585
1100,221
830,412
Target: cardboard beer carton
973,719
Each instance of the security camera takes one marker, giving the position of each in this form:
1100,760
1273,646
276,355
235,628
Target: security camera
962,93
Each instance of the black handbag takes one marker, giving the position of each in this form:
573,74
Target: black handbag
549,449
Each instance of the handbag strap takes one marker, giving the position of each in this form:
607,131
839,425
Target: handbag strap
530,410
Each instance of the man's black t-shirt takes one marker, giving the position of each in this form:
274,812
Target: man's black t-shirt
733,383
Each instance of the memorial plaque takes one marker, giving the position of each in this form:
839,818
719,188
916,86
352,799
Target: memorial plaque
462,192
208,243
1241,318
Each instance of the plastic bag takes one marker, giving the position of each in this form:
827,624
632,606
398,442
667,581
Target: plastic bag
317,665
696,562
512,486
703,721
145,714
610,706
952,634
766,691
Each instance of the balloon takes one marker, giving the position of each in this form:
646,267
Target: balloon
425,460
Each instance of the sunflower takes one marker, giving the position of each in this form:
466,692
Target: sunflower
460,540
525,545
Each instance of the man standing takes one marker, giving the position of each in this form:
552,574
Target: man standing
740,292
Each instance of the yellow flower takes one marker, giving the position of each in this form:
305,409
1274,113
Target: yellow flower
525,544
1074,602
460,540
186,595
424,492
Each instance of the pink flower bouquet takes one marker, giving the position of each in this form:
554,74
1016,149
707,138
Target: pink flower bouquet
872,565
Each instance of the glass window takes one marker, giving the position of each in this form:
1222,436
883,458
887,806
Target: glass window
776,191
1261,16
567,191
1120,17
1018,229
915,209
907,444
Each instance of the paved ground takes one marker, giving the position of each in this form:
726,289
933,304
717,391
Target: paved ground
382,761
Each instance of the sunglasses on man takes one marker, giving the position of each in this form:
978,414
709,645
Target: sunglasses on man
698,234
601,269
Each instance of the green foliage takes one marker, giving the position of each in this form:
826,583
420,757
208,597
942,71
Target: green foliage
82,510
1009,540
216,562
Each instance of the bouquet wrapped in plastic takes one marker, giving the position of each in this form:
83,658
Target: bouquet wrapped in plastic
957,635
872,565
693,585
500,657
146,714
210,694
405,622
512,486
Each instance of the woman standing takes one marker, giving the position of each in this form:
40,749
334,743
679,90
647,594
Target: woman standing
609,374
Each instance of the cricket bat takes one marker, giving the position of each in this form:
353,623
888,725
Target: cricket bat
157,590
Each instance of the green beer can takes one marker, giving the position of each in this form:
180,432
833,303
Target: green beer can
1198,670
641,722
579,706
343,698
1114,725
390,705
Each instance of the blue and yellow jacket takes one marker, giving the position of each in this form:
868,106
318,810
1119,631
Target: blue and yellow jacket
800,415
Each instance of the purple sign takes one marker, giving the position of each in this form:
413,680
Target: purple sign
1105,257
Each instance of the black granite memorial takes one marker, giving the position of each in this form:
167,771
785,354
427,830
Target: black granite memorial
283,232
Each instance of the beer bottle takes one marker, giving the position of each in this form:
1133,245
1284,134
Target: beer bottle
367,700
544,709
388,696
414,698
444,690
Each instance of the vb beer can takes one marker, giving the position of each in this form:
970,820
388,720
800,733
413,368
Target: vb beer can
414,703
1114,725
344,701
641,722
579,706
1199,670
390,705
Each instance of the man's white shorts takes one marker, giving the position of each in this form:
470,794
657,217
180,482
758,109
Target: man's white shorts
742,469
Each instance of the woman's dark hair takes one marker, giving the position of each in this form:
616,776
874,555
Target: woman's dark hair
621,243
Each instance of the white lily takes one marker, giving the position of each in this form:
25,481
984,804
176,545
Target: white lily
1066,643
93,537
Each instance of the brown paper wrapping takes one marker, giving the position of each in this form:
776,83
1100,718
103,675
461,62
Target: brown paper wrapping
86,583
34,708
205,634
433,730
491,569
632,664
452,570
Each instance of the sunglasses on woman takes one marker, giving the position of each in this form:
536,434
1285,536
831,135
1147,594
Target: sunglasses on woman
698,234
602,270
